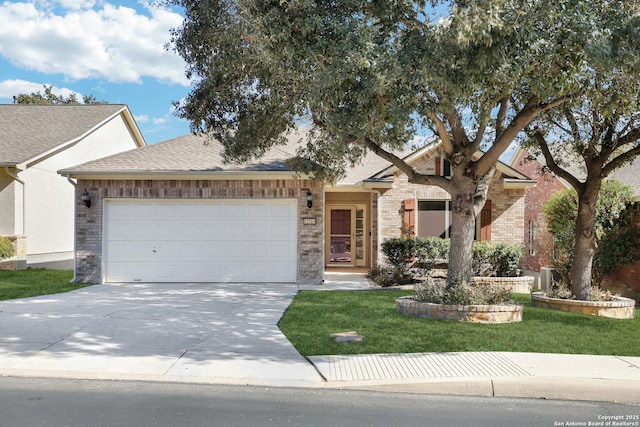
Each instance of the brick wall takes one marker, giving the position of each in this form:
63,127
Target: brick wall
507,207
89,221
534,199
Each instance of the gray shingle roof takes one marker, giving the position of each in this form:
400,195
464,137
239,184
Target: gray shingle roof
27,131
629,174
187,153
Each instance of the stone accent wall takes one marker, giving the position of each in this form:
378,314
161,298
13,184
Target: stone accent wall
463,313
89,222
620,308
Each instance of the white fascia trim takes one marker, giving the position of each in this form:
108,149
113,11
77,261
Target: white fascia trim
185,176
512,183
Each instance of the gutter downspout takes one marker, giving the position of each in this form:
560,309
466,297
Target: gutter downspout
75,225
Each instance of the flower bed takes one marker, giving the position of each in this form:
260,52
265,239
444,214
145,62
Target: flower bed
620,308
508,313
517,285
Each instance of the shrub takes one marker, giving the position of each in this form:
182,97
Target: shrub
460,293
385,276
618,240
399,251
482,255
7,249
430,251
506,259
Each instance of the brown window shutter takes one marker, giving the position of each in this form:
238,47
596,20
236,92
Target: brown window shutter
409,217
438,172
485,221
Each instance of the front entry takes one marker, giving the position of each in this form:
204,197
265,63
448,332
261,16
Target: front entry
346,243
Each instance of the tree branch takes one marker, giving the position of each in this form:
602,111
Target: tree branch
413,176
551,163
532,109
625,157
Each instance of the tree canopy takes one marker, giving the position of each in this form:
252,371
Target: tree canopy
366,76
48,97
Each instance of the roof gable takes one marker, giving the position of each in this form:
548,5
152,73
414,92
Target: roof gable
28,131
430,151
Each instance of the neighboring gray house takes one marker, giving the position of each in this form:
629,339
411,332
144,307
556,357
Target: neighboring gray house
36,204
175,212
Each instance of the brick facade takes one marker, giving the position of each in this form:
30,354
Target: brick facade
507,206
540,254
89,222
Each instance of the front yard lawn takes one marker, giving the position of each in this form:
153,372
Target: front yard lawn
315,315
31,283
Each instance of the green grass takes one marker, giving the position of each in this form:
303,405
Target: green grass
315,315
31,283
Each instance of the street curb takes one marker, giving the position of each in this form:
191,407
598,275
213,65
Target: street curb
552,388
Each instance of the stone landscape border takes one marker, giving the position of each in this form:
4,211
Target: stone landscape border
619,308
463,313
516,285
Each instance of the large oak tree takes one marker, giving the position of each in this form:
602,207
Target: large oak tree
586,140
367,75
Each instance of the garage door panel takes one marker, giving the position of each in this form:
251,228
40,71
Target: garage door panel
203,241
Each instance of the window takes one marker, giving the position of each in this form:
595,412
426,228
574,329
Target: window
434,218
443,167
446,168
532,237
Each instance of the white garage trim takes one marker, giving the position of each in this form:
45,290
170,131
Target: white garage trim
183,240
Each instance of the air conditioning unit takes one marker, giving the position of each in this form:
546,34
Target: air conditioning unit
547,276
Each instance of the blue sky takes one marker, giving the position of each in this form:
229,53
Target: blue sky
112,49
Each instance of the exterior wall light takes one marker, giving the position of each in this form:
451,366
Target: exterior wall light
86,199
309,199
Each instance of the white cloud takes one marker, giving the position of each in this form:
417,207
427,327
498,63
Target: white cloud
10,88
143,118
115,43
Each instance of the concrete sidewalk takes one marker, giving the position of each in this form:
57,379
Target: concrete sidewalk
530,375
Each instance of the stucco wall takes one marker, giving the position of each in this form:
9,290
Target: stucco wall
90,220
50,198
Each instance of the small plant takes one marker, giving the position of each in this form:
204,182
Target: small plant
506,259
385,276
460,293
561,290
7,249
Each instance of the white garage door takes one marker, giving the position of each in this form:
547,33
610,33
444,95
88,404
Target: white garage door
200,241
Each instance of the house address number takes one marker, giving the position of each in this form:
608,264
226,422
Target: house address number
309,221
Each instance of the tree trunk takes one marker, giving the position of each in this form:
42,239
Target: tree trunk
585,240
463,225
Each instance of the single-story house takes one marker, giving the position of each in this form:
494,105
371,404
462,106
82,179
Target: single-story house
36,203
175,212
539,242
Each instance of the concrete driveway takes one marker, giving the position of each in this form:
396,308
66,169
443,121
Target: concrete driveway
209,333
